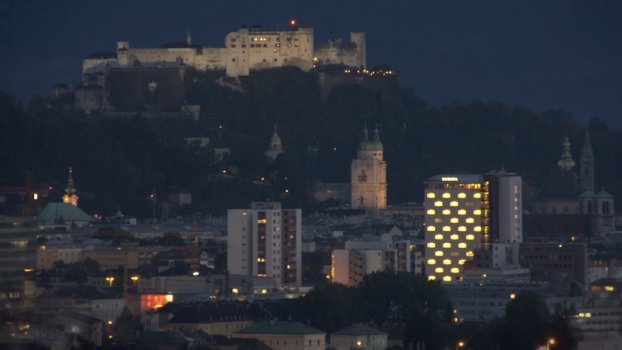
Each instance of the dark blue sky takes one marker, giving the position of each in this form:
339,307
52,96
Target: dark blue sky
539,54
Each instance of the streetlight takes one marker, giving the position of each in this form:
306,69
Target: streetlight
460,344
110,280
550,342
153,197
134,278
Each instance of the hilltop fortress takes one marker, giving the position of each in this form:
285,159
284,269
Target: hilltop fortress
157,81
245,50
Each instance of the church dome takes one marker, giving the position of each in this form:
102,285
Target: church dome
604,194
376,144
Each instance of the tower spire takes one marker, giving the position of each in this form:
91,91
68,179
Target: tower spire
70,196
587,164
188,38
566,163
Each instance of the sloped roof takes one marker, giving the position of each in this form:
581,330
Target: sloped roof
59,212
359,329
279,327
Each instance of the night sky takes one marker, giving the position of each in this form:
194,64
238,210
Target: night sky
539,54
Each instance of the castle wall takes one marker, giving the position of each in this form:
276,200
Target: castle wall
245,50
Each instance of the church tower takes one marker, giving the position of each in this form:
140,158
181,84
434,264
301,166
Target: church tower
369,174
275,147
587,164
71,196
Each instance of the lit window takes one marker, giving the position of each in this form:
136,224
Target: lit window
446,245
461,195
431,278
431,195
453,204
462,245
438,204
446,212
431,212
454,220
431,262
477,212
470,220
462,229
461,212
446,195
477,195
431,228
455,270
446,278
453,237
447,262
477,229
446,228
461,262
438,220
439,270
431,245
438,237
470,237
438,253
469,253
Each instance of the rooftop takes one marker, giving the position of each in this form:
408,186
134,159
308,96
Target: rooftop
279,327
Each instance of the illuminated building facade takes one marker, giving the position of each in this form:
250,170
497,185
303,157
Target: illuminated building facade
465,214
265,241
369,174
453,224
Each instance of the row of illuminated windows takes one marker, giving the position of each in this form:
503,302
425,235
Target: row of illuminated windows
446,195
454,237
445,261
445,278
441,253
452,204
454,221
449,228
448,245
448,211
442,270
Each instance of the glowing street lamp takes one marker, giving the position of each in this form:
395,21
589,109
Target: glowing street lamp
134,278
110,280
460,344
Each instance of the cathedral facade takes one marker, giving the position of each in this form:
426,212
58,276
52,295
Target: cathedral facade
565,193
369,174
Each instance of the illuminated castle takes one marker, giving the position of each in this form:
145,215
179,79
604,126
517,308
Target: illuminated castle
244,50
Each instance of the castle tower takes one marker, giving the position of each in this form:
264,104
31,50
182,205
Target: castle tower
566,163
369,174
275,147
358,38
587,164
189,38
70,196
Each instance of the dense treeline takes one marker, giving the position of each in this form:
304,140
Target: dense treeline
119,161
419,311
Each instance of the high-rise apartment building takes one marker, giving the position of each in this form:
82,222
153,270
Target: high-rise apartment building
265,241
465,214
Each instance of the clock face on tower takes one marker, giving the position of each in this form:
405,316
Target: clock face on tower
362,176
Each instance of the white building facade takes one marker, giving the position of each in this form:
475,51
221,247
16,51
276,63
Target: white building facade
265,241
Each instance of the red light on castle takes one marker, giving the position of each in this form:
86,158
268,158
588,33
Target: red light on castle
292,22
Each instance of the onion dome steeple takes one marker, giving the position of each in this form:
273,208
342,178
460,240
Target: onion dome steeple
566,163
376,143
71,195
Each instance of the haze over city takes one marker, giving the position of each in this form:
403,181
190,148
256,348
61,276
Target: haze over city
354,175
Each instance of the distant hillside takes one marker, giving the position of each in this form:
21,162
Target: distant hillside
117,162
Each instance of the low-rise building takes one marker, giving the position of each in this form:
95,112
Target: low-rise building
358,336
285,335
